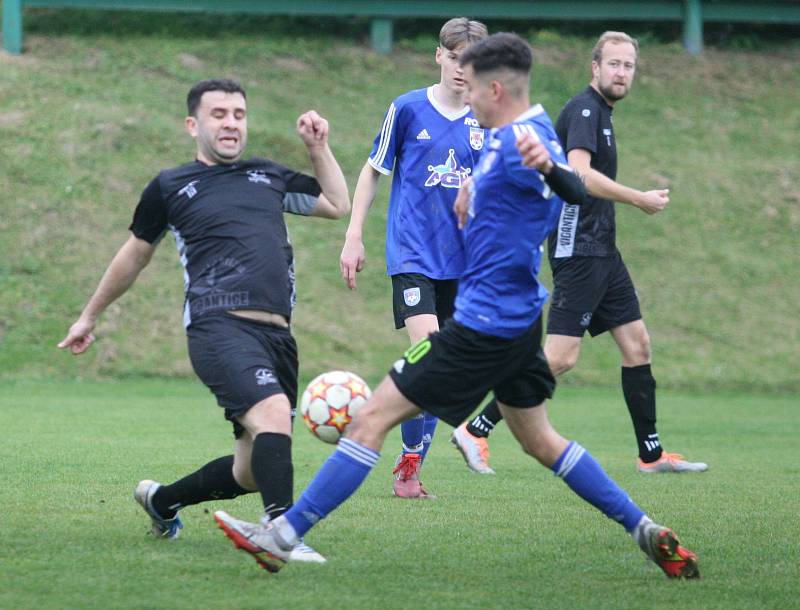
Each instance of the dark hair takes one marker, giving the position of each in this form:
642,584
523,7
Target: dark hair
501,50
227,85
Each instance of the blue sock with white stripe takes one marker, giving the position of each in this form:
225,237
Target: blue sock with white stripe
588,479
428,429
337,480
412,431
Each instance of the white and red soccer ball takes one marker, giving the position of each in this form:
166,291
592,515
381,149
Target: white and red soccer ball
331,401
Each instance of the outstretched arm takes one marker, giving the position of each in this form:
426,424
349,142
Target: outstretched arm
131,258
353,254
600,185
334,202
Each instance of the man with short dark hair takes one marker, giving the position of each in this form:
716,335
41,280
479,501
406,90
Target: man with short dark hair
226,214
493,341
592,289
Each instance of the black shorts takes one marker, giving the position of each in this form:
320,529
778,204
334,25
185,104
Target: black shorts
591,293
243,362
414,294
449,373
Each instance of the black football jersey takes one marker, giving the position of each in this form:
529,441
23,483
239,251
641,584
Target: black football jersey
230,232
588,229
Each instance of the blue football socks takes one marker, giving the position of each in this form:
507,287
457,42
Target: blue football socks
337,479
428,430
412,432
588,479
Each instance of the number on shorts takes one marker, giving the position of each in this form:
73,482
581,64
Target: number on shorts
416,352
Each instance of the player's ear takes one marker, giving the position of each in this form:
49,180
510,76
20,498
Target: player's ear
497,89
439,53
191,125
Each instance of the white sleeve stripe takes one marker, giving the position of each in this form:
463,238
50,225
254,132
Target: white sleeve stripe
378,168
386,135
523,128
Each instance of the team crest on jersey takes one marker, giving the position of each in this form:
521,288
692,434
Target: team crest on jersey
258,175
411,296
448,173
476,137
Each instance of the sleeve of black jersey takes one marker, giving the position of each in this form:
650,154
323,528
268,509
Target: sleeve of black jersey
302,192
150,218
582,124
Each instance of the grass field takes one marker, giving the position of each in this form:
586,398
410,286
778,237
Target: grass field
93,110
74,538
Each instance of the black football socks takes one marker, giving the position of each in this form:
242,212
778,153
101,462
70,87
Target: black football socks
214,481
273,472
486,420
639,388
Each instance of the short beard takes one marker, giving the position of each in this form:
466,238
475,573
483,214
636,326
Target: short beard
608,93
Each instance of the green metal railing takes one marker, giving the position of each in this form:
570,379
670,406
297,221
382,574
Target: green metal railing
692,13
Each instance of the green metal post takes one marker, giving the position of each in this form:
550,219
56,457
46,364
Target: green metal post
693,26
12,26
381,35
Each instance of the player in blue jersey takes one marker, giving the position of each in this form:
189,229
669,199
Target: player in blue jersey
493,342
592,288
430,140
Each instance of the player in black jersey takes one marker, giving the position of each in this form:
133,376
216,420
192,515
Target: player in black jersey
592,287
226,214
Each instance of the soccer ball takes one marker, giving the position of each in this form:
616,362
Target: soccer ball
330,402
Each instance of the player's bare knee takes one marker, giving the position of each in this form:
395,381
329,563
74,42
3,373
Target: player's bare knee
562,362
638,352
273,414
368,427
644,347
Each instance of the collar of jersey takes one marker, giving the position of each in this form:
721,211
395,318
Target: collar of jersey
533,111
450,116
529,113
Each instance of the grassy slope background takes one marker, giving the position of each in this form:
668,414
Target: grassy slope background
94,108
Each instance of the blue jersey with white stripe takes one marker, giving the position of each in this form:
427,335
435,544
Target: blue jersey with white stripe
511,212
431,152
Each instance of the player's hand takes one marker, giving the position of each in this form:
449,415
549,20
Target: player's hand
352,261
534,154
79,337
461,205
313,129
652,202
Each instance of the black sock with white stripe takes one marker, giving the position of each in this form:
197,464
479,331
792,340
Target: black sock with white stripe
486,420
214,481
639,388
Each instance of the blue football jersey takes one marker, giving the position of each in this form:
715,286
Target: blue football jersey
511,212
431,152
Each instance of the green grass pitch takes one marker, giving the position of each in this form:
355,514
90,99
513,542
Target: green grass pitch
74,538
